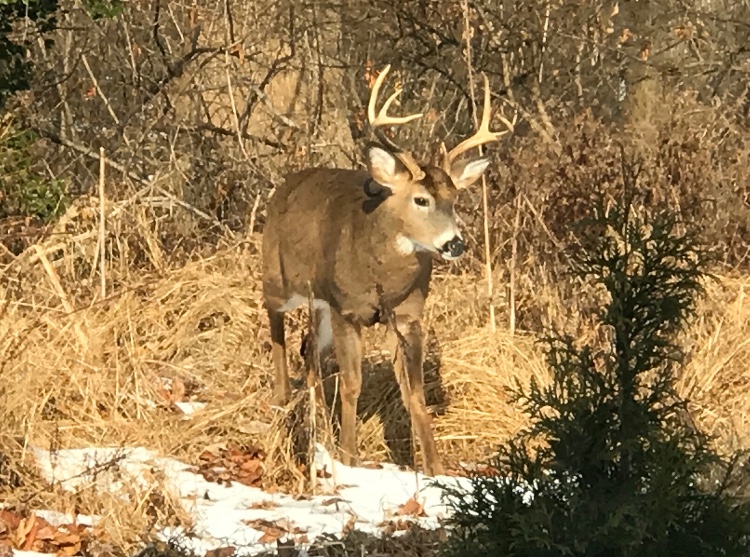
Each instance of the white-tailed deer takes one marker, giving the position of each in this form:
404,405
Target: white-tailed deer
364,241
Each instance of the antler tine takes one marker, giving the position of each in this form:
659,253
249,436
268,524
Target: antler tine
483,134
383,119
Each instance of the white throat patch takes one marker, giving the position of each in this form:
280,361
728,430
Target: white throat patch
404,245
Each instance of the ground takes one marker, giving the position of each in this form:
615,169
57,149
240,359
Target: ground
374,500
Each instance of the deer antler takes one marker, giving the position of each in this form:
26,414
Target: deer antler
483,134
383,119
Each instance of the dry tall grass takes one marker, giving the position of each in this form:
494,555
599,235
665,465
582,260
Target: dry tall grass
78,370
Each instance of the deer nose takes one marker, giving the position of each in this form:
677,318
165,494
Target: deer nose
454,248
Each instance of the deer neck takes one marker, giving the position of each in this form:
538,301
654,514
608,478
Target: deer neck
393,258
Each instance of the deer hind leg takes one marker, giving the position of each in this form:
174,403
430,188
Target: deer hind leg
405,346
347,341
282,390
311,351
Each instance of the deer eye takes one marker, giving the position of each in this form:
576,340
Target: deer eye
422,201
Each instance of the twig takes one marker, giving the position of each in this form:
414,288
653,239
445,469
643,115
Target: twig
269,104
313,429
253,215
57,286
313,374
541,128
485,202
544,43
546,120
102,224
131,53
230,89
277,65
174,71
558,244
102,95
207,127
513,263
577,79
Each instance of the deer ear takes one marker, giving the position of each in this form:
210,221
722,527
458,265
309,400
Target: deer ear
465,173
385,167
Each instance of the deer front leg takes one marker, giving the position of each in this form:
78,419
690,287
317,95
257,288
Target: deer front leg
406,347
282,390
347,342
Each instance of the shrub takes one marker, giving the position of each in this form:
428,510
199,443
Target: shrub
23,191
609,465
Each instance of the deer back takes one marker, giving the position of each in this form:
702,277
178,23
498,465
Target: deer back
353,237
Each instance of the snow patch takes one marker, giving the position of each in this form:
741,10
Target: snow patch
356,498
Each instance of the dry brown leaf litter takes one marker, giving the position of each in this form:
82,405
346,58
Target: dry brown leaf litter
28,532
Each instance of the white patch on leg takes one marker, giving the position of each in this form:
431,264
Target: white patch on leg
325,329
404,245
293,303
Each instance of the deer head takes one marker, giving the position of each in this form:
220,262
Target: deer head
423,195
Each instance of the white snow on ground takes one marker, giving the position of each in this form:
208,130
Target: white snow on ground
364,498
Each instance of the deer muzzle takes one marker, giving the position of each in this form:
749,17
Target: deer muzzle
453,248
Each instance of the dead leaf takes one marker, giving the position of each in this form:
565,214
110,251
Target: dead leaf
333,501
393,526
46,533
259,523
349,526
323,473
646,51
227,464
33,533
66,538
265,504
238,51
372,465
193,19
249,464
69,550
10,518
271,535
226,551
26,533
411,508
